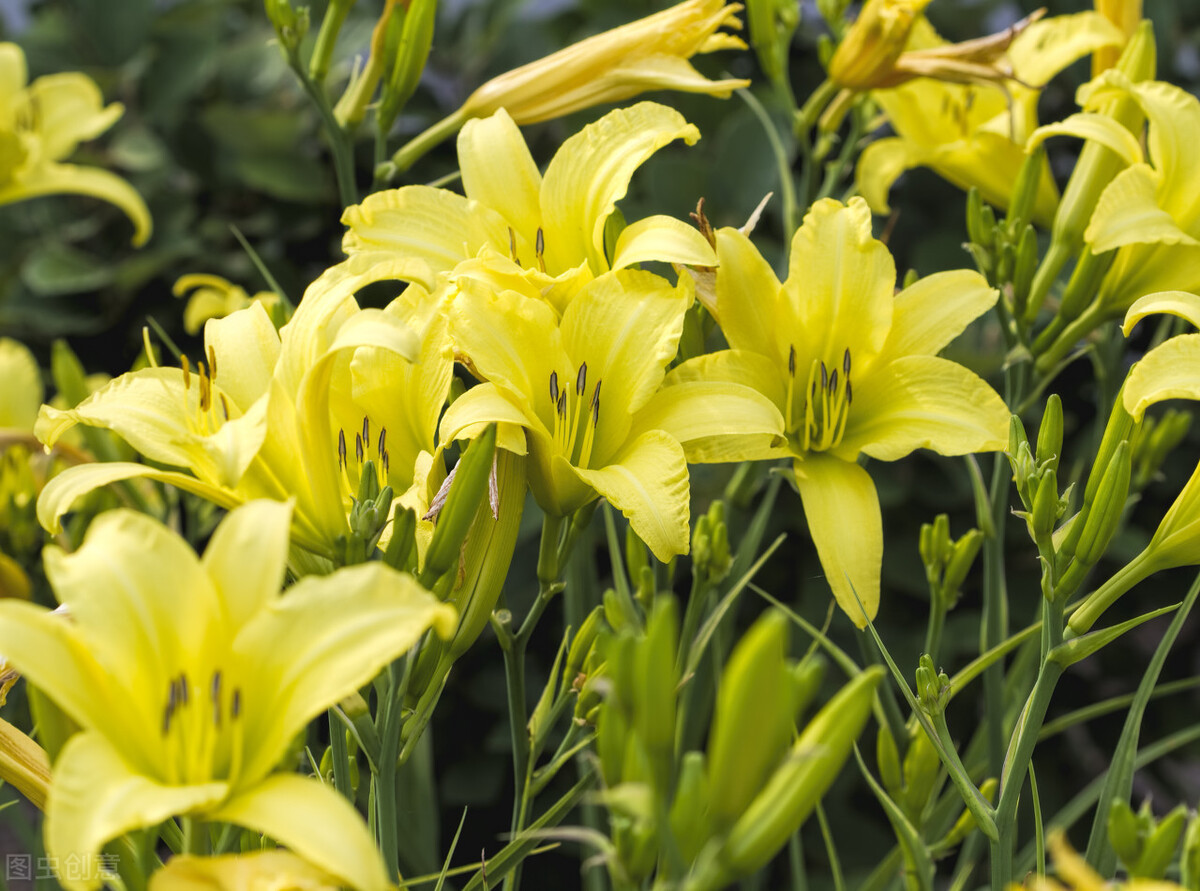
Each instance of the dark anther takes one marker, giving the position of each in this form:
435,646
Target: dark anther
341,449
581,379
792,361
554,387
846,362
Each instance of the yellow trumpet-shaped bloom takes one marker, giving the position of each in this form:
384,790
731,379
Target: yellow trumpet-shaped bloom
258,418
519,229
577,387
851,370
974,134
213,297
172,667
41,123
866,57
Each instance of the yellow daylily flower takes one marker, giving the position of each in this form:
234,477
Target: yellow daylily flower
257,871
42,123
21,391
172,667
258,419
851,371
1126,15
514,222
974,134
1169,371
577,386
213,297
1074,874
1150,212
649,54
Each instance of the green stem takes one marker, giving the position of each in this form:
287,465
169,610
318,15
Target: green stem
994,627
195,836
339,144
331,26
413,150
937,623
783,164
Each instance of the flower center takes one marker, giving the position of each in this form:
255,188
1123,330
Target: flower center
824,403
378,462
574,420
208,414
539,248
202,730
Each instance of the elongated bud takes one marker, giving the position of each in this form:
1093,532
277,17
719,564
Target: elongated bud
1189,860
291,25
975,225
752,723
887,759
1046,507
411,54
922,767
960,563
467,491
653,688
1025,191
635,555
807,675
1118,430
772,24
1024,267
689,815
796,786
1159,849
581,645
1050,434
1102,518
1125,833
401,551
933,686
965,823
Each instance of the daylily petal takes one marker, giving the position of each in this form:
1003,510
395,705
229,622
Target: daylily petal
71,110
665,239
751,369
1169,371
628,325
715,421
22,392
514,342
648,483
1050,45
1174,119
991,162
95,797
748,297
341,630
1178,303
590,173
314,821
840,283
238,872
1095,127
842,510
54,179
498,171
880,165
246,345
56,660
63,490
936,309
1128,212
924,402
246,558
481,405
433,225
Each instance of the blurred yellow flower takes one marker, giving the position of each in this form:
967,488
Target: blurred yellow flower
173,668
213,297
41,123
257,871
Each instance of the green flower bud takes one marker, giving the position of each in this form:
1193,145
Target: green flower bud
752,723
401,551
1050,434
581,645
1159,437
921,769
1189,860
800,781
1024,267
1046,507
468,485
1102,517
933,686
654,691
961,560
1024,193
411,54
1119,428
772,24
1124,832
807,675
965,823
689,815
976,231
1160,846
291,25
887,759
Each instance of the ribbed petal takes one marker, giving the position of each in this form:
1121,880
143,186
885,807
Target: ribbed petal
715,421
246,345
1128,212
340,631
648,483
840,284
70,110
590,173
246,558
95,797
924,402
664,239
749,299
21,391
935,310
499,172
314,821
842,510
481,405
1169,371
1098,128
55,179
880,165
1178,303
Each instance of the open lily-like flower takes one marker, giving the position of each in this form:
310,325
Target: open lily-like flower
851,371
1150,212
255,420
974,134
515,223
42,123
172,667
577,386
